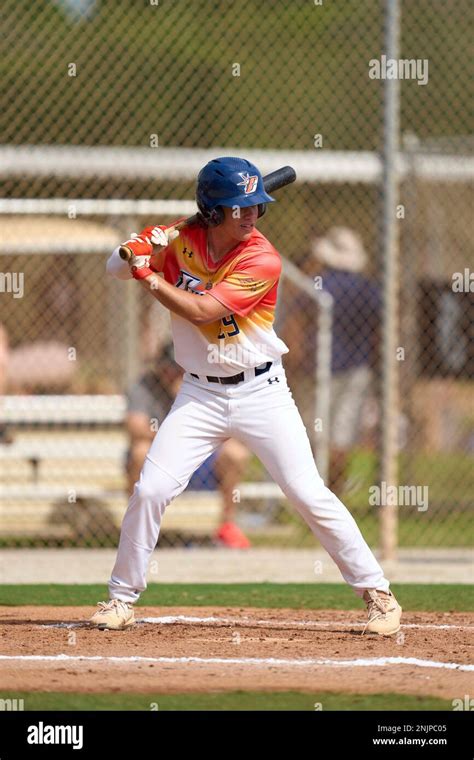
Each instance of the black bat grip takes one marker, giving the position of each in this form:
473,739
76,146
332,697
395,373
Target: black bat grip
279,178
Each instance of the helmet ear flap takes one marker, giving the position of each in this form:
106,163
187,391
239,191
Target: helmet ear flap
210,217
262,207
216,216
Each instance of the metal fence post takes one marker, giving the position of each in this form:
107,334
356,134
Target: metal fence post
322,439
324,303
390,261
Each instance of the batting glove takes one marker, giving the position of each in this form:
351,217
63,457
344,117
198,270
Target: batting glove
142,246
140,267
161,236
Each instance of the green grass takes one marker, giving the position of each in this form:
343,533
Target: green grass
450,477
454,529
447,522
312,596
448,530
238,700
440,597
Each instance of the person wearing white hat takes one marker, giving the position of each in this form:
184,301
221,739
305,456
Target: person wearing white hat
356,319
340,260
342,249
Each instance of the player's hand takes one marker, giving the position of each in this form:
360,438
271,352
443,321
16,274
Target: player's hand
162,236
140,248
140,266
151,240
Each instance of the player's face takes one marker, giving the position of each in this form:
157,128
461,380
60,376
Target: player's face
239,222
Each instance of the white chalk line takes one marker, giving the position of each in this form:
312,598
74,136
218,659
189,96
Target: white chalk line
251,661
246,621
170,619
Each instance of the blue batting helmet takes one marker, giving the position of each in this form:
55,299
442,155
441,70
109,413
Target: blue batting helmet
229,182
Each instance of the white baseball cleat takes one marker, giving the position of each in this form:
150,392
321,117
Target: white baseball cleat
384,613
114,615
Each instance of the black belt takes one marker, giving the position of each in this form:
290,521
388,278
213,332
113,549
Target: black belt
233,379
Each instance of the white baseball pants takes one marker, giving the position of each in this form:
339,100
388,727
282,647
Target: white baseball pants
261,413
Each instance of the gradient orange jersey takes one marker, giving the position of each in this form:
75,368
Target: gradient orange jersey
245,280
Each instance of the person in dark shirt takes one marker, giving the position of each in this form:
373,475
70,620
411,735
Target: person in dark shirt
148,402
337,262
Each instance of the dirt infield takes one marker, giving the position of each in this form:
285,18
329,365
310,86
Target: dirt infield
203,649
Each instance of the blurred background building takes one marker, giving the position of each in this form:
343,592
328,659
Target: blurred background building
109,111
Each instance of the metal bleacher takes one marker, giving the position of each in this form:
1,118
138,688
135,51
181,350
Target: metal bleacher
43,492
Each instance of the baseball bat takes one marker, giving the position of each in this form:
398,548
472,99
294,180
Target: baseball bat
271,182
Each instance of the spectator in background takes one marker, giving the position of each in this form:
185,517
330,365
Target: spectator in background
148,401
340,260
33,367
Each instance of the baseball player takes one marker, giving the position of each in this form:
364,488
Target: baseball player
219,279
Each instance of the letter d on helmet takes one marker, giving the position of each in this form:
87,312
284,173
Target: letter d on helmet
229,182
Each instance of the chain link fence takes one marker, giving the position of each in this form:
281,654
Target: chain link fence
109,111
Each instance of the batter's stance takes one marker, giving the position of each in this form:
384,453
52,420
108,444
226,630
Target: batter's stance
219,281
